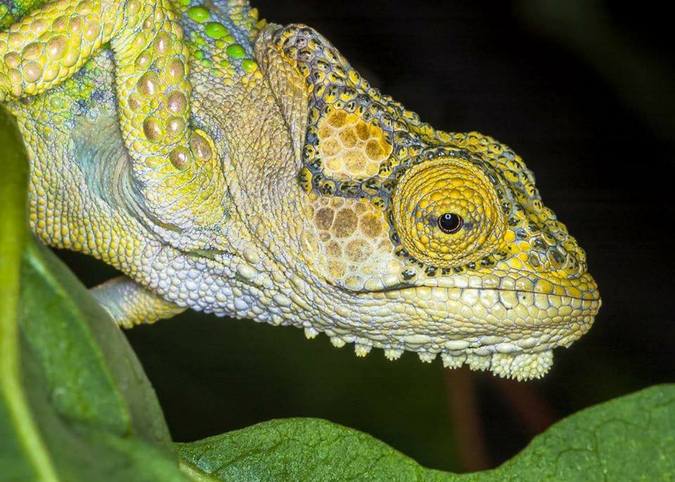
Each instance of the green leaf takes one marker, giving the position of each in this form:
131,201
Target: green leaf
630,438
74,401
301,449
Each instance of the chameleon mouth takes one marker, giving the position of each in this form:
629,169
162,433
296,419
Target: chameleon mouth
507,291
509,331
508,325
423,291
501,310
525,307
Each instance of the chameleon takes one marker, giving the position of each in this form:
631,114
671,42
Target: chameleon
242,168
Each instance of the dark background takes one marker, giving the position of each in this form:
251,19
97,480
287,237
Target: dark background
583,91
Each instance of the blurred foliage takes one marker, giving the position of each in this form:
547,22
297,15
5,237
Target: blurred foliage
641,77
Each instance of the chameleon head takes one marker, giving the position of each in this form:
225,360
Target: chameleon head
329,205
423,240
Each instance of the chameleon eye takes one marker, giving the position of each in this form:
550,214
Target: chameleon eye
436,199
450,223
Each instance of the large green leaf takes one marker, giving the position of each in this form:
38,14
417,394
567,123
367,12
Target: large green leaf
302,449
74,401
630,438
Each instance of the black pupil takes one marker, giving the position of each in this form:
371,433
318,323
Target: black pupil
450,223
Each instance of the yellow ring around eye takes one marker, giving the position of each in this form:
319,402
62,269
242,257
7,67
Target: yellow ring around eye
433,188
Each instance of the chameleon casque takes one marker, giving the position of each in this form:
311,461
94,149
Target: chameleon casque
245,169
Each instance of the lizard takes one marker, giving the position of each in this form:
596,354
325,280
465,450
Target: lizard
242,168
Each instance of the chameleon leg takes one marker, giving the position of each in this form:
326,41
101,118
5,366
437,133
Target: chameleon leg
129,304
176,167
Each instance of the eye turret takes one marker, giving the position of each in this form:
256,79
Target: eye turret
447,213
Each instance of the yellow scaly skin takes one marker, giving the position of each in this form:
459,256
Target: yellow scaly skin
247,170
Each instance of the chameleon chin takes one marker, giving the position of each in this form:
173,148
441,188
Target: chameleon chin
245,169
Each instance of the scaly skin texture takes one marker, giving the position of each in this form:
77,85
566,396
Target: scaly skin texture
247,170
